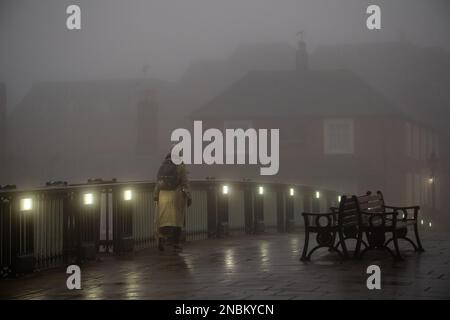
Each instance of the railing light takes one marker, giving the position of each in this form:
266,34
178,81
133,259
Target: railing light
225,189
128,195
317,195
291,192
88,199
261,190
26,204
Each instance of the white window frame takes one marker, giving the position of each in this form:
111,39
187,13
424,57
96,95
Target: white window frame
329,147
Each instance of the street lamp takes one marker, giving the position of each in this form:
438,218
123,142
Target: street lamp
128,195
225,189
26,204
88,199
291,192
317,195
261,190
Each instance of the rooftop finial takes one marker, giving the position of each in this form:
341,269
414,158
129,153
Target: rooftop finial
301,55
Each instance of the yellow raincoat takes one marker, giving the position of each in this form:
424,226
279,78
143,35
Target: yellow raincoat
172,204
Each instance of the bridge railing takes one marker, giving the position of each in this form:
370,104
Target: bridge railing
63,224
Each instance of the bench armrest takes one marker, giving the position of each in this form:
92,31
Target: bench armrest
403,208
334,209
380,218
313,219
407,214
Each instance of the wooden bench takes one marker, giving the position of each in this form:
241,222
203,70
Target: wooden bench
408,217
358,216
326,228
350,221
375,223
344,224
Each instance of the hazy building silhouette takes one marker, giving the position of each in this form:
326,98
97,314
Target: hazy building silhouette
301,55
2,128
417,80
336,131
85,129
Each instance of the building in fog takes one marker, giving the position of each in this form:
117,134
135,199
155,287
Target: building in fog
336,131
77,130
417,80
2,127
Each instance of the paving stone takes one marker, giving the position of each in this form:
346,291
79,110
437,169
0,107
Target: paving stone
263,266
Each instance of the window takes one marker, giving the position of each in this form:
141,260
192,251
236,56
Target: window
408,139
415,142
436,146
338,136
417,188
423,144
409,189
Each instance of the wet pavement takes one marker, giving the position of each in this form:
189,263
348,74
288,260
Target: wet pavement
263,266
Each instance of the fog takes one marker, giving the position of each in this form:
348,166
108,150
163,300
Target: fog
357,109
118,38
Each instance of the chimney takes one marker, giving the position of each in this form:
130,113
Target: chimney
301,57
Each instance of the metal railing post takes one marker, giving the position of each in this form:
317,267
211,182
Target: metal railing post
212,209
223,216
281,225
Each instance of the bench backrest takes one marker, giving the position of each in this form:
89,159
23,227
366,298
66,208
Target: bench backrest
349,216
352,209
371,202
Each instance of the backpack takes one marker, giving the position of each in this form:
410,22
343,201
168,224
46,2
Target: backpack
168,175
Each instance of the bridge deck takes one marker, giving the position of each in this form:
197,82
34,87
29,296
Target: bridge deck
246,267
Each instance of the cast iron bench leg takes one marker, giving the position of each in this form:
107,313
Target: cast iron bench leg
305,247
419,244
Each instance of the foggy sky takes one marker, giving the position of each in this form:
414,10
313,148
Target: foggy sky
119,37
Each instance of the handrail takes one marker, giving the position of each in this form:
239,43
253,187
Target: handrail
63,223
118,183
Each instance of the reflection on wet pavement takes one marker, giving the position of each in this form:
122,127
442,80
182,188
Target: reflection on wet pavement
245,267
